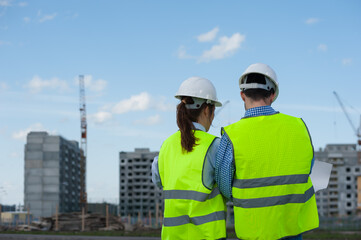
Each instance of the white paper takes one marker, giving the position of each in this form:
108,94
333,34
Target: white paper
320,175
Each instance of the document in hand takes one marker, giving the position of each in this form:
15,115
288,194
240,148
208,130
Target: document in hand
320,175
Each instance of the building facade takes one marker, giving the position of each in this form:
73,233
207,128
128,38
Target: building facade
101,208
7,208
15,218
52,175
137,193
342,196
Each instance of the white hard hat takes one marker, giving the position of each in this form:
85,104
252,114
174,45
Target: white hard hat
267,71
200,89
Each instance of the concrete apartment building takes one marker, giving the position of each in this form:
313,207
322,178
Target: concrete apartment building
343,195
52,174
137,193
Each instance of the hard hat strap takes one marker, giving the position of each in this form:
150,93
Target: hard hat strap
197,103
268,86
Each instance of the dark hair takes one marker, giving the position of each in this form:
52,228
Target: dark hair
257,94
185,117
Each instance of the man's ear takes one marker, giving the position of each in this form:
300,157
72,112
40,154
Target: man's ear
272,97
206,111
243,96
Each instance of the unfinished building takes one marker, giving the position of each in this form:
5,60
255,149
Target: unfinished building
137,193
342,196
52,174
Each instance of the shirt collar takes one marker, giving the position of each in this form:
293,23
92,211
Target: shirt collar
259,111
199,126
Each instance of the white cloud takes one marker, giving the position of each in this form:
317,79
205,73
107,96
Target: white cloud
71,15
94,85
138,102
346,61
162,104
209,36
100,117
48,17
142,102
23,4
182,54
21,134
38,84
8,3
322,47
3,43
5,3
312,21
27,19
15,155
226,47
152,120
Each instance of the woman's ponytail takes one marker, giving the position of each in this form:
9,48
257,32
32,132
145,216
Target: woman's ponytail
185,119
184,122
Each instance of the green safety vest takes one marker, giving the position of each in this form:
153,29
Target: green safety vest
191,210
273,195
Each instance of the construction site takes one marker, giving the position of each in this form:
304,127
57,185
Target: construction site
55,196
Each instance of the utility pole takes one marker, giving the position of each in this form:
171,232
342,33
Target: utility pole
83,143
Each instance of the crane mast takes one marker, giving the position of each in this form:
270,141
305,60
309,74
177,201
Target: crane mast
83,143
356,131
220,109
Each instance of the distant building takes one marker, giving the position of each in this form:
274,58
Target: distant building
52,174
7,208
15,218
343,194
101,208
137,193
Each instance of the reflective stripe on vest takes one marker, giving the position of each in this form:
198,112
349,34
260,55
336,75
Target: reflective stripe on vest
270,181
273,201
191,195
181,220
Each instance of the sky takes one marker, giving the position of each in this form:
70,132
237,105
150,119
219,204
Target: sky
134,56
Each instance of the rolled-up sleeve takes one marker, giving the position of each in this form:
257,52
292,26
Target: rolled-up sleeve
155,173
224,167
209,164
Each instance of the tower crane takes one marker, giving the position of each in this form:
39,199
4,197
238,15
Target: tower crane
357,131
219,109
83,143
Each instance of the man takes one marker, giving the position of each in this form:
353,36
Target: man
264,162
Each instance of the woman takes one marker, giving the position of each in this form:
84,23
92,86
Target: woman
184,169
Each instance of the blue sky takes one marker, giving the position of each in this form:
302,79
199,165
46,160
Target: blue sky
135,54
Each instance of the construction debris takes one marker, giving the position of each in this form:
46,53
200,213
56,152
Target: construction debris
3,228
71,222
92,222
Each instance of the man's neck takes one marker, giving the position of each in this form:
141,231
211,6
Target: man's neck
254,104
250,103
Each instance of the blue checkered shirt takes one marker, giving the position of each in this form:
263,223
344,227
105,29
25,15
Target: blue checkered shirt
224,169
